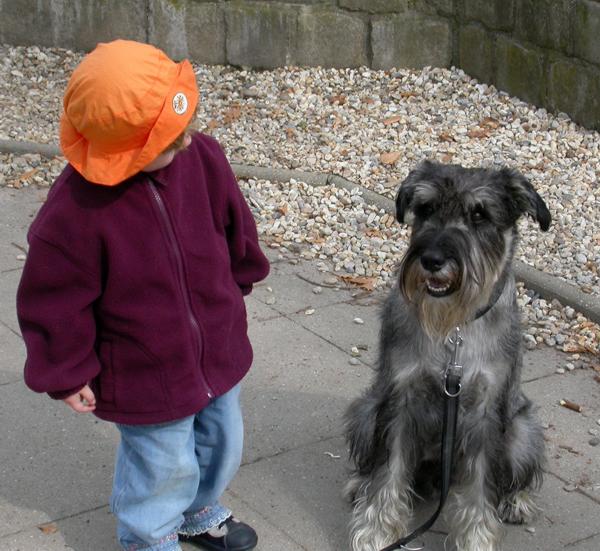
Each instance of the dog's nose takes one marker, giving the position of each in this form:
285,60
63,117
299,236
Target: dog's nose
433,260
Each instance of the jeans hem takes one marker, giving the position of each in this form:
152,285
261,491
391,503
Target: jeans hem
205,519
168,543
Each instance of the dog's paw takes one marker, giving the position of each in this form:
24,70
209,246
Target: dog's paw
518,508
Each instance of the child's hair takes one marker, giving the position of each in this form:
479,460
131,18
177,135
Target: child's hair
177,144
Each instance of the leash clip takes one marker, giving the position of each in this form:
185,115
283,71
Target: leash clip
406,548
454,368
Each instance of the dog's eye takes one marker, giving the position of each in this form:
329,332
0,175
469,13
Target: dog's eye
478,215
424,210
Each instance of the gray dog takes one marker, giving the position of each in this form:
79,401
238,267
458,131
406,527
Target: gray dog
457,272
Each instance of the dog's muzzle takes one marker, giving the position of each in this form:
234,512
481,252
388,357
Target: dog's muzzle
439,273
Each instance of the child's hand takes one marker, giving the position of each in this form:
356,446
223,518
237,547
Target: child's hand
83,401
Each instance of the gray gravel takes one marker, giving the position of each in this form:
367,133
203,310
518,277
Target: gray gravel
370,127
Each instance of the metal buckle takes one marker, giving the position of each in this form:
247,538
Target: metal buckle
450,394
454,368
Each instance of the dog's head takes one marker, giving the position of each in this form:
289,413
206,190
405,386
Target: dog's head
463,237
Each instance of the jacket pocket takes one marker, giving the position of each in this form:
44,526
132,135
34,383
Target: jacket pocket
139,386
106,381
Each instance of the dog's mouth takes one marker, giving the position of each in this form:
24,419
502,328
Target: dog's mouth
438,287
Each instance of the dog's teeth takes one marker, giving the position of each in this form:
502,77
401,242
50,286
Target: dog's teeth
438,288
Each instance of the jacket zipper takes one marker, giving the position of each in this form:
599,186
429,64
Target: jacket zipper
174,245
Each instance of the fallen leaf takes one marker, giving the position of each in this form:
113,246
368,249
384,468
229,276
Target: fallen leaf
338,120
49,528
212,124
570,449
392,120
368,101
28,174
390,158
283,209
339,99
407,94
445,137
290,133
367,283
373,232
490,122
478,133
573,348
232,114
446,158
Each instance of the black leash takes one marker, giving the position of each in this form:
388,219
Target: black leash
452,390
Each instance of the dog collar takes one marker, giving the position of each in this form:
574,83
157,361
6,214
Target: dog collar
496,294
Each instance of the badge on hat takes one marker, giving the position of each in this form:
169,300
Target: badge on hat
180,103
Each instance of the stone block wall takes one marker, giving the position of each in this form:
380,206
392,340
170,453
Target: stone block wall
545,51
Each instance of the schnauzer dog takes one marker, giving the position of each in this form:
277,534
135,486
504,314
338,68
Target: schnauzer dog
456,273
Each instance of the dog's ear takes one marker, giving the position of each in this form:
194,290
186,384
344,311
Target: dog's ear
403,200
406,192
524,199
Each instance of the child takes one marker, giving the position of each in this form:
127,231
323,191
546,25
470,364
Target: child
131,300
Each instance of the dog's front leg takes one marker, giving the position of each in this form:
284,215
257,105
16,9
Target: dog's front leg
475,525
382,503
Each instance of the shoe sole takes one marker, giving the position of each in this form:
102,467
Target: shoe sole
218,547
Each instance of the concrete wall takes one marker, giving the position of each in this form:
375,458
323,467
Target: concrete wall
544,51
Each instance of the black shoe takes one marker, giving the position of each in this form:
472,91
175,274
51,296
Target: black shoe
230,535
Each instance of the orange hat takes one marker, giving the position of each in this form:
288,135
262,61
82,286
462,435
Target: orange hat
125,103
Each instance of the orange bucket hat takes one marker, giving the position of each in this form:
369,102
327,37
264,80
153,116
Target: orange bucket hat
125,103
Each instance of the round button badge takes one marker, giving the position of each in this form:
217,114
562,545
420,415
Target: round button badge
180,103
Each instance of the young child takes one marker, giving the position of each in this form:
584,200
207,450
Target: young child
131,300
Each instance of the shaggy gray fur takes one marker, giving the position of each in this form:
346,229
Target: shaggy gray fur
457,265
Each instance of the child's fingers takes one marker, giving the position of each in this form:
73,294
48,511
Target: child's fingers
81,407
87,395
83,401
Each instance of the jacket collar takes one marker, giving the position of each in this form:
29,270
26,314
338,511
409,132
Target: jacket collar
164,175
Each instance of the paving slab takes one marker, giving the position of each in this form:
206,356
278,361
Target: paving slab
297,390
345,333
570,456
53,462
56,466
9,282
542,363
12,355
17,208
289,288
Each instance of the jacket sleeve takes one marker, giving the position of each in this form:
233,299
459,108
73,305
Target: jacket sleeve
55,307
248,263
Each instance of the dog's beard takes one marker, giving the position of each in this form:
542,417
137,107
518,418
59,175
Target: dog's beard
439,316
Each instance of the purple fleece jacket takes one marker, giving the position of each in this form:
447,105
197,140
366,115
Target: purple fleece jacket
137,289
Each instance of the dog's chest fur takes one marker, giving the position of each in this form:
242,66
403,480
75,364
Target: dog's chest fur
488,357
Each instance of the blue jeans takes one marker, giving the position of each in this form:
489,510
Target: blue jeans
169,477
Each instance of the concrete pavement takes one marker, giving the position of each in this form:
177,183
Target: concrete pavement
56,466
